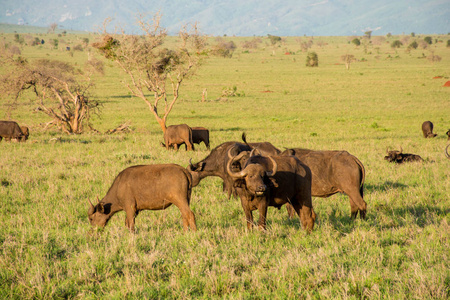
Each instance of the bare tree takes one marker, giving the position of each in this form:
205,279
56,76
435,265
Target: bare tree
52,28
60,90
348,59
152,67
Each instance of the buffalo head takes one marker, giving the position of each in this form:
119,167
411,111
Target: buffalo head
253,174
99,214
394,155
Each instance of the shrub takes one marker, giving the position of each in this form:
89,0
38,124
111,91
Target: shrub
428,39
312,60
357,42
396,44
413,45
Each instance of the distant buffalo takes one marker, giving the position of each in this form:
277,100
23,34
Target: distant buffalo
427,130
399,157
176,135
10,130
448,134
200,134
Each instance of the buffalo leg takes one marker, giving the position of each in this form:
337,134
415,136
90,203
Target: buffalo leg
129,220
306,214
290,210
262,208
357,203
248,213
187,216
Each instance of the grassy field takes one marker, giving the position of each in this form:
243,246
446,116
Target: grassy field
48,249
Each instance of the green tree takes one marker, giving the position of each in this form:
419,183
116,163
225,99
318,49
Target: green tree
274,39
413,45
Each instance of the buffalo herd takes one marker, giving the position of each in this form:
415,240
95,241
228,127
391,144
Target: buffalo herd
259,174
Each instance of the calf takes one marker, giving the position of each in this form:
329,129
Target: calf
427,130
146,187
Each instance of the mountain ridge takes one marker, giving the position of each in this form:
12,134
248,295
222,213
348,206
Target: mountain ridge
252,17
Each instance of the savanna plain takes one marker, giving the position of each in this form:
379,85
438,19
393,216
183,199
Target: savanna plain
48,249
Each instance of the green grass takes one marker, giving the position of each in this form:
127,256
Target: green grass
48,249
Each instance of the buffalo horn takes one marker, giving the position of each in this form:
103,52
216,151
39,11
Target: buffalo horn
240,174
401,150
255,152
91,208
274,167
446,151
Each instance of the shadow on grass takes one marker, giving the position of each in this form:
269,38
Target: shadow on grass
387,185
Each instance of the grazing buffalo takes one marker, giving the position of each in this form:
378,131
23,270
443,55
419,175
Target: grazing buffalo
146,187
334,172
427,129
176,135
446,151
215,163
400,157
200,134
273,181
10,130
448,134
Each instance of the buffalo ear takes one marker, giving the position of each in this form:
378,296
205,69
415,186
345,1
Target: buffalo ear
100,208
273,182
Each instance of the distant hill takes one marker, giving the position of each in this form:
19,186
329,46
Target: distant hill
242,18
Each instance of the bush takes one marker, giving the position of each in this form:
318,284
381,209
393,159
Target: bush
396,44
428,39
224,49
448,43
413,45
312,60
357,42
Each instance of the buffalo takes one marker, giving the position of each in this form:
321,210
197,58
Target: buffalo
427,130
10,130
448,134
146,187
200,134
334,172
176,135
215,163
399,157
273,181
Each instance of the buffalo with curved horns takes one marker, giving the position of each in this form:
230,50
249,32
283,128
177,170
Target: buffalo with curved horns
273,181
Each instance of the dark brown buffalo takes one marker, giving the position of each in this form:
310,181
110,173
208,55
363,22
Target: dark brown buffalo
200,134
176,135
273,181
399,157
215,163
427,130
446,151
334,172
145,187
10,130
448,134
